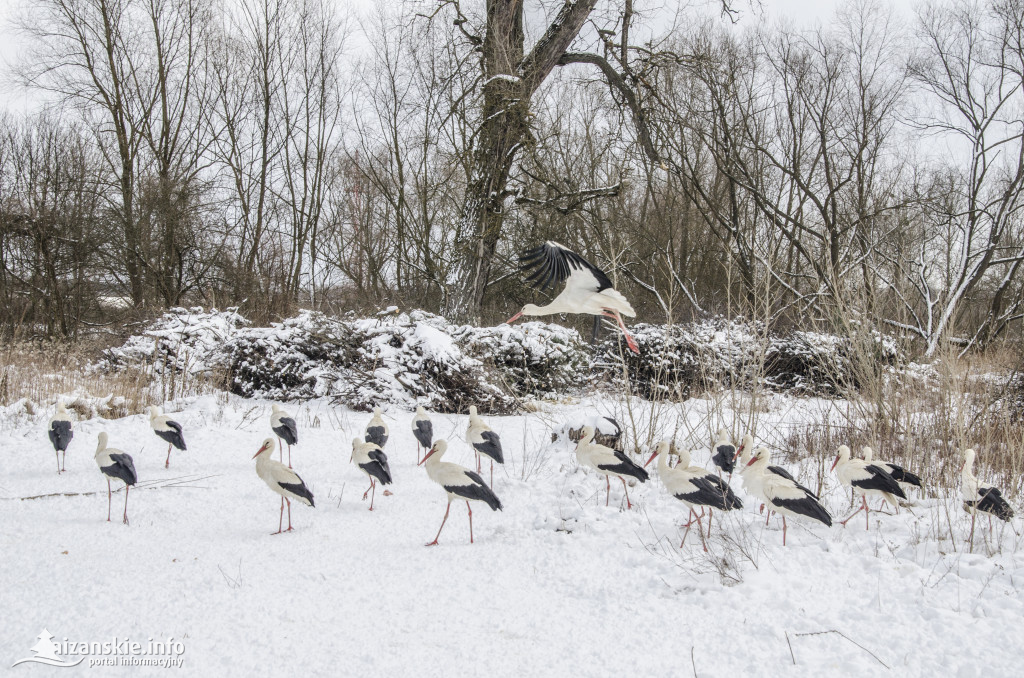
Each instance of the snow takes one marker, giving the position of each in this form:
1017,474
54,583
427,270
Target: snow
556,584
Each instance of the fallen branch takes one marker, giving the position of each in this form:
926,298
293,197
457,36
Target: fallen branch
840,633
183,481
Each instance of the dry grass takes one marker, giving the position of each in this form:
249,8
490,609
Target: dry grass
37,373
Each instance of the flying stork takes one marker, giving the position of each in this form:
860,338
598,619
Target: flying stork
587,290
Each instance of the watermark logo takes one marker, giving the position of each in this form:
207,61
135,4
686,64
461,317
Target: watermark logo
116,652
46,653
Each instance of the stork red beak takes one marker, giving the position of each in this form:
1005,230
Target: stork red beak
259,451
752,460
834,463
427,456
651,459
514,318
737,455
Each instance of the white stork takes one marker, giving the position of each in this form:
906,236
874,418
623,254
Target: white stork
282,480
459,482
981,496
694,486
608,462
116,465
905,478
781,493
372,461
60,433
283,425
751,477
864,479
168,429
725,453
422,430
587,288
377,429
484,441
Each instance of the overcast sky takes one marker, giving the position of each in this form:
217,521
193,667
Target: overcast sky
799,12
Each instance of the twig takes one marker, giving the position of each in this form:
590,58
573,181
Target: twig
149,485
840,633
693,663
790,647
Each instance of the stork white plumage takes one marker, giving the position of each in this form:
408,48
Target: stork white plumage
377,429
422,430
60,433
694,486
587,290
282,480
459,482
167,429
751,478
725,453
115,465
981,496
483,440
283,425
865,479
372,461
905,478
608,462
781,493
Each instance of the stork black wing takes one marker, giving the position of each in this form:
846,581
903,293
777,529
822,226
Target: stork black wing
552,263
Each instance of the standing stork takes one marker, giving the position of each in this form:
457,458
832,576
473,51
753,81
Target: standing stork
282,424
282,480
864,479
905,478
60,434
116,465
981,496
694,486
608,462
781,493
377,430
587,288
752,477
373,462
167,429
422,430
484,441
459,482
725,453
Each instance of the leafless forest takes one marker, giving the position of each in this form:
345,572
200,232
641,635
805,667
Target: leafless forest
277,154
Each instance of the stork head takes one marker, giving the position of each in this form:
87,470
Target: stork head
154,412
867,453
968,460
266,448
842,456
528,309
745,449
420,411
723,436
376,413
662,448
60,407
586,435
101,442
760,456
472,411
438,448
275,408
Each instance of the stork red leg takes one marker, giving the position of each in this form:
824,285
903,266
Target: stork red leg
711,514
289,455
864,506
63,460
280,519
434,543
607,489
626,490
125,519
167,464
867,514
687,526
289,502
470,509
783,530
57,455
373,495
108,500
630,341
492,473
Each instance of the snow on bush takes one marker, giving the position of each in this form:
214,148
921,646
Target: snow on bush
415,358
184,340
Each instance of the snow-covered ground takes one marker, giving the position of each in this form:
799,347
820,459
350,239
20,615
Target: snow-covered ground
557,584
